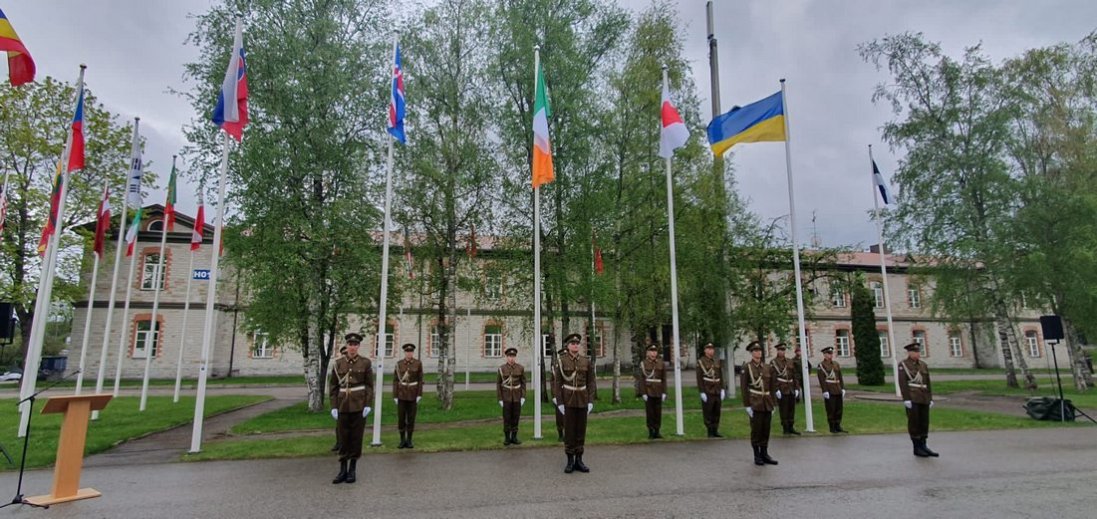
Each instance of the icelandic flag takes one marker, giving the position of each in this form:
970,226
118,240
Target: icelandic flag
76,152
882,186
231,113
396,104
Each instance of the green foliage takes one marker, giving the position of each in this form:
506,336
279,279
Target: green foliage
866,339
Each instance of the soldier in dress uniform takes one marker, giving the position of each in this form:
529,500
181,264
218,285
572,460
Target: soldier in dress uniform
510,388
788,388
834,389
757,389
651,385
710,385
407,390
573,383
351,387
341,354
917,397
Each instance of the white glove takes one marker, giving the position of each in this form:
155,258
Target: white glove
843,393
931,403
908,404
366,411
750,412
826,395
522,402
778,394
722,394
500,403
553,400
396,401
417,399
797,394
561,408
590,407
645,397
664,397
334,414
704,398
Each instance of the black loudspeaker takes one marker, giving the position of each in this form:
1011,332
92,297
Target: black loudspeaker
6,328
1052,327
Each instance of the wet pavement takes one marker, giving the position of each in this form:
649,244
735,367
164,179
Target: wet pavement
1019,473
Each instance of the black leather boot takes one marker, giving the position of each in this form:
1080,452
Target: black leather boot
352,471
792,430
506,437
918,448
403,440
579,465
409,445
838,428
342,473
757,455
651,433
925,448
656,435
765,456
570,467
716,432
514,438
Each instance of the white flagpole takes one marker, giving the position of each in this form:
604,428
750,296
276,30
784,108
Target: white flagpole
45,283
91,305
183,331
676,346
382,318
796,270
124,327
154,327
537,344
884,275
101,375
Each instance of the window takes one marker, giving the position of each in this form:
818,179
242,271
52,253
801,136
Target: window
837,296
919,336
878,294
435,341
145,338
156,225
546,344
796,340
599,340
1033,343
841,343
152,268
260,346
914,296
493,340
885,350
390,339
955,346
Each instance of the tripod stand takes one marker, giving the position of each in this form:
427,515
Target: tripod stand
19,498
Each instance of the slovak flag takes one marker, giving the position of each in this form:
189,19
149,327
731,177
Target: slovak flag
199,227
674,133
882,186
76,152
396,104
231,113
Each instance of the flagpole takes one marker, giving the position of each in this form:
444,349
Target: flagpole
183,331
676,346
796,269
99,377
884,275
537,347
91,305
123,328
157,284
45,281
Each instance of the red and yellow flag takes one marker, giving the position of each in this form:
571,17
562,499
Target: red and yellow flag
20,64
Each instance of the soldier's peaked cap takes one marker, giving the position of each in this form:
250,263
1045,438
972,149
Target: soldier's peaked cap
511,352
913,347
754,346
408,347
576,338
828,349
353,338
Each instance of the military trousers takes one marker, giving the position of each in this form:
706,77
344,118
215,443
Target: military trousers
559,422
654,410
787,407
349,428
575,429
405,415
918,421
711,410
759,428
834,407
511,412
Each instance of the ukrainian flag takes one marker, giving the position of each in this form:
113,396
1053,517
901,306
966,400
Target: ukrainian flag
761,121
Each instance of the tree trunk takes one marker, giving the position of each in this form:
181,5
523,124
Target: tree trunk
312,365
1007,333
616,364
1083,378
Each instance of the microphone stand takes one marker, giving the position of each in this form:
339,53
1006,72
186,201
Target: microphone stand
19,499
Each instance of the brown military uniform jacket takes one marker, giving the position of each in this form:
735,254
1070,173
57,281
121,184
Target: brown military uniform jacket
757,386
511,384
914,381
652,379
709,376
830,377
407,384
573,381
784,375
351,384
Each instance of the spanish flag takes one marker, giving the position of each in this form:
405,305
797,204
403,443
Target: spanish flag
20,64
761,121
542,147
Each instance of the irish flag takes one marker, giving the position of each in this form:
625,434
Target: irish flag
542,147
169,204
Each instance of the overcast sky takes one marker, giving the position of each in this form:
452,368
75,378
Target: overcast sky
135,53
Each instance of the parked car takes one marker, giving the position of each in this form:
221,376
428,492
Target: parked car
52,368
11,376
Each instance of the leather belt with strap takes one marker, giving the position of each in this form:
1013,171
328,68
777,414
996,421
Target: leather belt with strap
511,387
756,392
706,379
913,384
575,388
779,379
409,383
833,382
355,388
653,380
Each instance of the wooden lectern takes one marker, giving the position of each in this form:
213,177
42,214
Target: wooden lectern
70,447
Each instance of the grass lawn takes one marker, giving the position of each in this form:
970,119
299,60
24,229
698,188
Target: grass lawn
120,421
860,418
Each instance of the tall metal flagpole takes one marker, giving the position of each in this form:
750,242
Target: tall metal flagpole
91,306
183,331
676,347
796,270
101,375
157,283
884,275
537,349
382,318
123,328
45,283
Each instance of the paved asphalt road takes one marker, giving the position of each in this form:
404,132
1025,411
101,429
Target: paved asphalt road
1020,473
